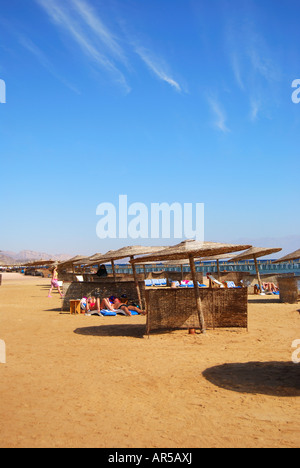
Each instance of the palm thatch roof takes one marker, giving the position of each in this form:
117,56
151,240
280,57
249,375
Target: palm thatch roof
72,260
217,257
292,256
39,263
255,252
87,260
192,248
125,252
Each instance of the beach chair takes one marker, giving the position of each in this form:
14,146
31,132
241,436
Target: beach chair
258,291
213,282
162,282
148,283
230,284
174,284
183,284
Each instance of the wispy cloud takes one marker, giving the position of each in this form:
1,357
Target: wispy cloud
44,61
80,20
89,15
237,70
254,63
218,112
157,67
77,31
255,106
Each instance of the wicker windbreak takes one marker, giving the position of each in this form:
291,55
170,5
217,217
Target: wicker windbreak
170,309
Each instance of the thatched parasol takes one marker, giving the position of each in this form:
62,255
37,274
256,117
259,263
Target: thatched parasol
125,252
70,262
88,260
191,249
39,263
254,253
292,256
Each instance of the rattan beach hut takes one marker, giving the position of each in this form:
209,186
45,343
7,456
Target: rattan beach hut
287,258
254,253
191,249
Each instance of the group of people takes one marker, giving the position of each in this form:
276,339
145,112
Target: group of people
112,303
266,288
93,304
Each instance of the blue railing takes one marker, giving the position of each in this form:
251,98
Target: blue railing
265,267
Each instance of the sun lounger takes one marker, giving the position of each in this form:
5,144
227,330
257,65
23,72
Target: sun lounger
213,281
156,282
186,284
230,284
121,312
257,290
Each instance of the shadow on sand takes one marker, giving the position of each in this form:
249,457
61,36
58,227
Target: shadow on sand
280,379
272,300
133,331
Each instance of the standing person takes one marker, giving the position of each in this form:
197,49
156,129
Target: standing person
54,282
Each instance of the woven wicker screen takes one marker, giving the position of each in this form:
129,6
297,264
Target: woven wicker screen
175,308
288,287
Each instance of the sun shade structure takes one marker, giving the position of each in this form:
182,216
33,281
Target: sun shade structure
70,262
87,260
125,252
254,253
191,249
39,263
292,256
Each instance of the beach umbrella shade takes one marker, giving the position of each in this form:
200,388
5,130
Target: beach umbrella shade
191,249
292,256
125,252
39,263
254,253
87,260
70,262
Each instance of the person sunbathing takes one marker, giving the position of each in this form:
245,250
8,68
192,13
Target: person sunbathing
94,304
270,287
122,304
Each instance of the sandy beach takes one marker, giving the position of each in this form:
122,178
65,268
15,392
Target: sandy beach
78,381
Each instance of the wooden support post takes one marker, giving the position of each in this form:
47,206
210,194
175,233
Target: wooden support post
197,295
258,274
137,284
113,269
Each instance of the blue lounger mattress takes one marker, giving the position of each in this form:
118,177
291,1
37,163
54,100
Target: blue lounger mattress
110,313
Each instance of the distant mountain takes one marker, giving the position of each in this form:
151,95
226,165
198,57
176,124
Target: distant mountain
30,255
6,260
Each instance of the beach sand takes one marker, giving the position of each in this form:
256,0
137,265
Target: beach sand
77,381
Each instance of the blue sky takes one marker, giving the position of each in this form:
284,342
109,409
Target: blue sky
183,101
